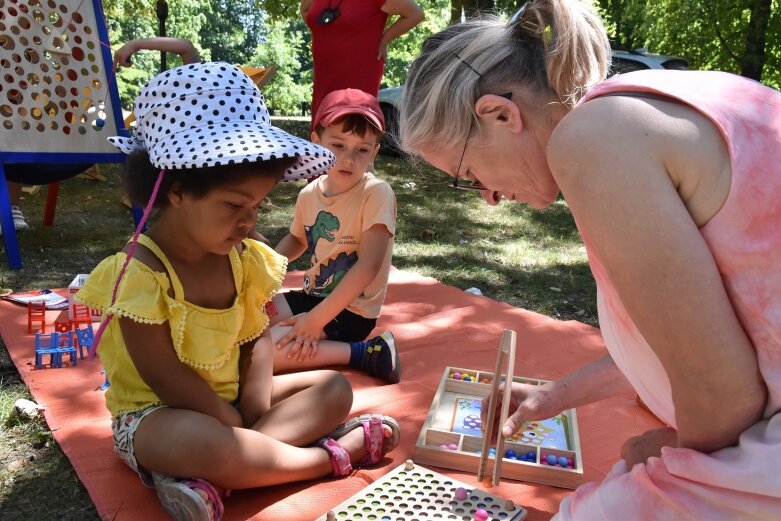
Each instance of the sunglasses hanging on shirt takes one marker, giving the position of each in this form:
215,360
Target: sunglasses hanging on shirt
329,14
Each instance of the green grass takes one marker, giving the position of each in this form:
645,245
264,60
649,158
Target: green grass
529,259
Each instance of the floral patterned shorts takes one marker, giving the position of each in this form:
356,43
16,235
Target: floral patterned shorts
124,428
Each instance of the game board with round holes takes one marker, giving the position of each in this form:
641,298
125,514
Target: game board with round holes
56,84
414,493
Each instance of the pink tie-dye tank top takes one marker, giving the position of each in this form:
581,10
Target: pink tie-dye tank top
744,237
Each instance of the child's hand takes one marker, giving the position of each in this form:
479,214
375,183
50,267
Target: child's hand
302,338
122,57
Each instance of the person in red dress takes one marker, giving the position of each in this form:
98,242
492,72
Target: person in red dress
350,41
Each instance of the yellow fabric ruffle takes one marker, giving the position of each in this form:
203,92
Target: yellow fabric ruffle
207,340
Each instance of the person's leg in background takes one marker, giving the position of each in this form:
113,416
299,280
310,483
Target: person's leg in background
15,195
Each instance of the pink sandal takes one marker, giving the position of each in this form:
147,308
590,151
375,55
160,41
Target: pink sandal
374,438
372,428
340,460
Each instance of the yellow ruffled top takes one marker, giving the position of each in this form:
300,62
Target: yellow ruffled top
207,340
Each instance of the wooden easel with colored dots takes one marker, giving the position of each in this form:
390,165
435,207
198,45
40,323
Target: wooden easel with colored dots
59,97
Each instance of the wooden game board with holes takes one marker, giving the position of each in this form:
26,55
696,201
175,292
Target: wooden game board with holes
414,493
448,426
56,94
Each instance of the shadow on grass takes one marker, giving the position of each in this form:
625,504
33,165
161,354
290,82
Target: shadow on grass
50,492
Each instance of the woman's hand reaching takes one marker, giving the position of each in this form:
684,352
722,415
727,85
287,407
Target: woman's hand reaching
528,403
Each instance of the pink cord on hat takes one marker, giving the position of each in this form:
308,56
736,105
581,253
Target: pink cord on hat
130,250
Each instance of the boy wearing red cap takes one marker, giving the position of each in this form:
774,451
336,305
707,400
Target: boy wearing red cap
345,222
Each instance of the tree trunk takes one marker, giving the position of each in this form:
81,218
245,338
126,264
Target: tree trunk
470,8
753,59
456,7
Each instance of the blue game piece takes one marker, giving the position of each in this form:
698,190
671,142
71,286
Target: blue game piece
531,456
563,461
99,122
509,454
551,459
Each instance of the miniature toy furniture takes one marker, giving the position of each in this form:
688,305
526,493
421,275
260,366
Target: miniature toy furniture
36,312
60,98
62,326
65,346
84,338
47,345
82,314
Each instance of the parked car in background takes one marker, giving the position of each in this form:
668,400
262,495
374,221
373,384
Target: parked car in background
639,59
623,62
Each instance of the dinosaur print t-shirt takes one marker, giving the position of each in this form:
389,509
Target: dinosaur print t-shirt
331,227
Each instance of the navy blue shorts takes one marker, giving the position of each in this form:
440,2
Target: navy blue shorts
345,327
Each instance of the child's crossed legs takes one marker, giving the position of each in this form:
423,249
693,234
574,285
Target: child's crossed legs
179,442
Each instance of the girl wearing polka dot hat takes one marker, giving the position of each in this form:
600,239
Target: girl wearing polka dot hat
185,306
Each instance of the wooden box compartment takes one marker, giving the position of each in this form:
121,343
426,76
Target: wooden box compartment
451,436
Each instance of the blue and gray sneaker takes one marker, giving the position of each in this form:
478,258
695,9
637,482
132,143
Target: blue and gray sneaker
382,358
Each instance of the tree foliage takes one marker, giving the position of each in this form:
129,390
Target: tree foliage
232,31
129,19
286,47
740,36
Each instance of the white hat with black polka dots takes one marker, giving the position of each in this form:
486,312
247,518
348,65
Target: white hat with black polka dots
211,114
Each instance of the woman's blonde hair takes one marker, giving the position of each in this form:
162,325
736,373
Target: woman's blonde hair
555,51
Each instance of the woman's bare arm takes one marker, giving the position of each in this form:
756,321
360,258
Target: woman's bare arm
613,173
409,15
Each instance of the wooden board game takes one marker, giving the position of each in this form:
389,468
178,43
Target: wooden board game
545,452
414,493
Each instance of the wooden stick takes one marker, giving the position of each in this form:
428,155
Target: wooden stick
506,346
508,343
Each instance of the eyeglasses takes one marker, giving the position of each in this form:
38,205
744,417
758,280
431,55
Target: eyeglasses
467,184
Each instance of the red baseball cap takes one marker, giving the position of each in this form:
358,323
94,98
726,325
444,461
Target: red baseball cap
349,101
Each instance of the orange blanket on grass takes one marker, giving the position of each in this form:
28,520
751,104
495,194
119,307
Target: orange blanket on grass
434,325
